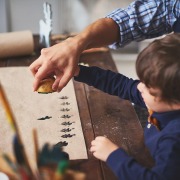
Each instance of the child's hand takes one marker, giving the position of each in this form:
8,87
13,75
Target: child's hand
102,147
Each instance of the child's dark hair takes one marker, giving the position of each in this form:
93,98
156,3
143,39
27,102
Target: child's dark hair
158,66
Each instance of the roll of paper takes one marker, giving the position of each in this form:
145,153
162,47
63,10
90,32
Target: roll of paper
16,44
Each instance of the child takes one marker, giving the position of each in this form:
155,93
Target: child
158,68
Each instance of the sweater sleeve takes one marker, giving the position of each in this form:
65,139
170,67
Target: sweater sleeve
167,164
111,83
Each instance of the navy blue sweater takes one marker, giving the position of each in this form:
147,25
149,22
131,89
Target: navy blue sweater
164,145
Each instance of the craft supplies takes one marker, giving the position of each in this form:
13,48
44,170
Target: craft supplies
43,112
17,43
19,149
51,161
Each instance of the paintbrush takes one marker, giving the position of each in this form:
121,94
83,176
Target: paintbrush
11,120
36,147
20,159
61,169
10,163
8,166
9,114
36,151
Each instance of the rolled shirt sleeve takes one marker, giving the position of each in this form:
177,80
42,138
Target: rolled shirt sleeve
144,20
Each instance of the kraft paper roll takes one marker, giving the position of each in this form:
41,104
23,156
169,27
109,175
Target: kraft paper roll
16,44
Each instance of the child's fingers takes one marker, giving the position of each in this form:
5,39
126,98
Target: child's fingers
92,149
93,142
100,138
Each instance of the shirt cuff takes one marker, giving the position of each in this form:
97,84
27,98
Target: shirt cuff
83,74
116,158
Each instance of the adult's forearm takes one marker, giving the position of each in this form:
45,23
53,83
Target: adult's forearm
102,32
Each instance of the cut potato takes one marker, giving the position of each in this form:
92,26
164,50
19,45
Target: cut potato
45,86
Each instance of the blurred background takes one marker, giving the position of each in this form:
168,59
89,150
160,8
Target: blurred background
69,16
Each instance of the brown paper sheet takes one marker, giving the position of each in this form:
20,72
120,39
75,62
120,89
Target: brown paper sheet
29,106
16,44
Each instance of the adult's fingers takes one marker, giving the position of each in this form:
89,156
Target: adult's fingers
56,82
68,74
41,74
35,66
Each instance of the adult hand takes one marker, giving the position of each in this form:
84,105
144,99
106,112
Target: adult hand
60,61
102,147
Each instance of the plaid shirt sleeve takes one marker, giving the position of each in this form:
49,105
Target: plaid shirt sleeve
145,19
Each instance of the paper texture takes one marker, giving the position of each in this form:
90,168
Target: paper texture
29,106
16,44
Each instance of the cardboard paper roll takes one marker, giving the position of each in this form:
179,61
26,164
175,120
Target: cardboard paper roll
16,44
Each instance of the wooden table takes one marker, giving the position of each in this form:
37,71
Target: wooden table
100,114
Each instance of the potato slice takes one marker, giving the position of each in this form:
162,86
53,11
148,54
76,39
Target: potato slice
45,86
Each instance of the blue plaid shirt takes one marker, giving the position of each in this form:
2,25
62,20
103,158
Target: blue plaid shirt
145,19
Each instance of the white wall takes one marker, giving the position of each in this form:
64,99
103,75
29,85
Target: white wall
68,15
25,14
3,16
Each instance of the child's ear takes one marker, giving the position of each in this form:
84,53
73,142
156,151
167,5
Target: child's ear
177,106
157,99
